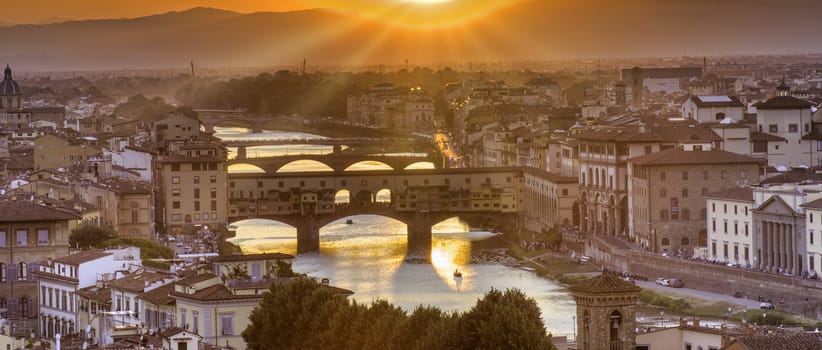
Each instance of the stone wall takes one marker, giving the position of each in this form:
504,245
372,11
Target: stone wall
798,295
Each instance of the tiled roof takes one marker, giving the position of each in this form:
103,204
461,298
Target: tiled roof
761,136
817,204
678,156
20,211
251,257
784,102
781,341
652,134
159,295
190,281
555,178
81,257
94,293
603,284
732,101
735,193
793,177
136,282
216,292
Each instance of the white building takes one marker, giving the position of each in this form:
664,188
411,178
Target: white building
135,159
708,109
126,293
58,284
788,118
729,223
813,223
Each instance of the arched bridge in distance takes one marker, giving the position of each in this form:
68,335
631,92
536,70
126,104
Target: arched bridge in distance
418,198
338,162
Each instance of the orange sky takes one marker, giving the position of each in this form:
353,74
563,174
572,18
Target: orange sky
36,11
417,13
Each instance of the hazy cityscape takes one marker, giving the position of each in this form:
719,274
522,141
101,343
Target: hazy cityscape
411,174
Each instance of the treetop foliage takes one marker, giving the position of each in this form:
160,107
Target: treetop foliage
304,314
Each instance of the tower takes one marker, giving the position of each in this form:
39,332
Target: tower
605,313
783,89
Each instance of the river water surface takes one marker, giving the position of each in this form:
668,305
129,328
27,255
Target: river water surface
368,256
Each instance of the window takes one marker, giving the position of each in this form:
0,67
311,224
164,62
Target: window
175,205
762,146
647,149
182,318
227,324
196,179
175,167
810,236
213,179
196,193
684,175
684,193
793,128
195,315
773,128
42,236
175,192
713,225
176,217
663,215
662,176
685,241
175,180
22,238
22,272
196,205
666,241
713,207
663,193
3,239
725,226
213,192
213,205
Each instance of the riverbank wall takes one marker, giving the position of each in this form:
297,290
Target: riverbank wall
792,294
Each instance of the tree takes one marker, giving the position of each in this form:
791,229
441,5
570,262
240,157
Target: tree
148,249
87,236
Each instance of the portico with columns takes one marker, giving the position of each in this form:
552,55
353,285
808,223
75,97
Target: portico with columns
780,240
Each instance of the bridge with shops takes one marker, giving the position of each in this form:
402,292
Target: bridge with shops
419,198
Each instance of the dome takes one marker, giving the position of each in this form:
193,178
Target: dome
9,87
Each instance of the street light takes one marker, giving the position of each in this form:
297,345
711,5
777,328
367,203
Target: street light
661,319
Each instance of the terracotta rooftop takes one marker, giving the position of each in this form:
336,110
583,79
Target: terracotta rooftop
251,257
784,102
192,280
817,204
761,136
81,257
94,293
735,193
706,101
678,156
781,340
667,133
20,211
136,282
603,284
216,292
159,295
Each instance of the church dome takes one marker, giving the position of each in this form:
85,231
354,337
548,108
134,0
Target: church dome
9,87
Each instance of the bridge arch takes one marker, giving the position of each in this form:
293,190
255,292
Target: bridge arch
342,196
368,165
421,166
305,165
383,196
245,168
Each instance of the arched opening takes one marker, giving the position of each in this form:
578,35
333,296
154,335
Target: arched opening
685,241
304,166
665,242
383,196
615,328
368,165
264,236
342,197
362,198
421,165
244,168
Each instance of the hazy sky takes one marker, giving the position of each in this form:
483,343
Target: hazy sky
40,11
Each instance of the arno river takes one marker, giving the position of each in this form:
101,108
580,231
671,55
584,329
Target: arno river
367,256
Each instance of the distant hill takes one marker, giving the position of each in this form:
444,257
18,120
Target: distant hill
529,30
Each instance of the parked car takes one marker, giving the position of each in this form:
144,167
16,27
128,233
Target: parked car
766,306
738,295
676,283
662,281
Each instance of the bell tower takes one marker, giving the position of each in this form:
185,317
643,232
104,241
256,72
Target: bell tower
605,313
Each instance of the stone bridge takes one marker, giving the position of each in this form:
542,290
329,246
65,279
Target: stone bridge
338,162
418,198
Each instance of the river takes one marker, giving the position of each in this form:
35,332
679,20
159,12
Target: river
368,257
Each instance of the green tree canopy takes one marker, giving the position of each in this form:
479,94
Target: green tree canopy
86,236
303,314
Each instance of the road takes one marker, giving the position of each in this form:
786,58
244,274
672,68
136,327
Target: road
689,292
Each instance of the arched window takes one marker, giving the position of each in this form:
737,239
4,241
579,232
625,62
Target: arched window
666,241
685,241
22,272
